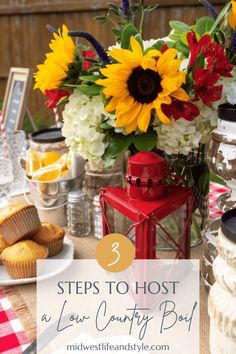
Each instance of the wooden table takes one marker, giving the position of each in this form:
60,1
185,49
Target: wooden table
23,297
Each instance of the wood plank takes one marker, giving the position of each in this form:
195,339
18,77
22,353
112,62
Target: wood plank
44,6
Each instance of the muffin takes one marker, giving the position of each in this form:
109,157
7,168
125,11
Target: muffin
18,221
51,236
3,245
20,259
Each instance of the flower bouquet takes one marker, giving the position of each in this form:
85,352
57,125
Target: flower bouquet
142,95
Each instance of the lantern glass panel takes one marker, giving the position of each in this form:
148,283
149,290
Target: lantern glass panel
173,224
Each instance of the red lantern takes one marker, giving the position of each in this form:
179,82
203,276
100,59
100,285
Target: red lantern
146,201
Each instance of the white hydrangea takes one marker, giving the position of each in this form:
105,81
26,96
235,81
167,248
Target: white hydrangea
229,89
179,137
82,117
206,121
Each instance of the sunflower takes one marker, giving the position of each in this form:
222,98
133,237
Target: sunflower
55,68
138,83
232,15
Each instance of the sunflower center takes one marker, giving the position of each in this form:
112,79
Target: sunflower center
144,85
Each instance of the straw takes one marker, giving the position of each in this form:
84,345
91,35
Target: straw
56,117
3,130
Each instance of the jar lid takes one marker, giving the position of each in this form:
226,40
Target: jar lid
228,225
51,135
227,112
75,196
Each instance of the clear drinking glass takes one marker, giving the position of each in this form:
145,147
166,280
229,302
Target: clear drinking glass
6,179
17,143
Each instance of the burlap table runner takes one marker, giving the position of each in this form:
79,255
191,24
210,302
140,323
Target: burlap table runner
23,297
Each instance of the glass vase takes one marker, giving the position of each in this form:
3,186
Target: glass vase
192,171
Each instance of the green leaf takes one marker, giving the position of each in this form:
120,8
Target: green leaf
94,68
105,126
220,17
183,48
101,19
158,46
145,142
118,143
92,90
180,26
90,78
184,38
200,61
138,37
114,8
203,181
204,25
151,8
129,31
117,32
175,36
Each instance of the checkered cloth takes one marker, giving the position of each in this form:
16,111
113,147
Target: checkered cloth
215,191
13,339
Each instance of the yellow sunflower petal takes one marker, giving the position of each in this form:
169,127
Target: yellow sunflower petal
124,105
124,56
163,118
166,57
136,48
131,127
180,94
171,68
115,90
130,115
144,117
111,106
232,15
169,84
54,70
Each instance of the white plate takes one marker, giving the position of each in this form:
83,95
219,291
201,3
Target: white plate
67,253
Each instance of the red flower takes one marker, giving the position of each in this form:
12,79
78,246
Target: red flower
179,109
164,48
89,54
204,86
196,46
217,60
54,96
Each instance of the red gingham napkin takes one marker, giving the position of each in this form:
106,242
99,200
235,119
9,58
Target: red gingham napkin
215,191
13,339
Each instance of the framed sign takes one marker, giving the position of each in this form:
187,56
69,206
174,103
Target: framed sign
14,104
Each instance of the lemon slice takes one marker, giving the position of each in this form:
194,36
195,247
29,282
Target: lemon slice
64,172
49,157
62,161
48,173
33,162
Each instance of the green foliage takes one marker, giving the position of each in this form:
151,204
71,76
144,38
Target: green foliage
183,48
151,8
145,142
179,27
129,31
90,78
204,25
90,90
118,143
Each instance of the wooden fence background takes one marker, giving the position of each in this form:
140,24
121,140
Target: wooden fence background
24,38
